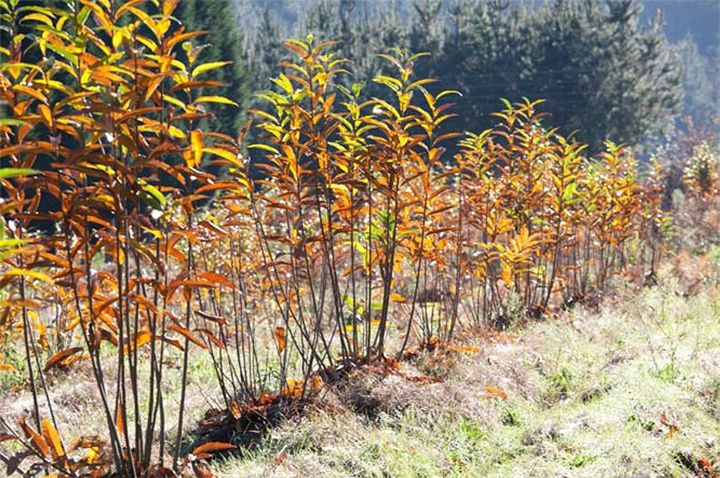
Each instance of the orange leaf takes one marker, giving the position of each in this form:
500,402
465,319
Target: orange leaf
119,421
46,114
36,439
317,383
60,357
496,392
464,348
141,338
6,367
51,436
210,317
280,458
213,277
235,409
212,447
280,338
213,338
187,334
173,342
672,427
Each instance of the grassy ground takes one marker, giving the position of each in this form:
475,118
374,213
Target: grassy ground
631,389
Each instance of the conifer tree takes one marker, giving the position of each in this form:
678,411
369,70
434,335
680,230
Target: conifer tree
224,42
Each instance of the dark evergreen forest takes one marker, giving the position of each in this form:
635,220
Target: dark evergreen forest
623,69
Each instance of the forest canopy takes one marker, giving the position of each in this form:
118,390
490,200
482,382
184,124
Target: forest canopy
605,69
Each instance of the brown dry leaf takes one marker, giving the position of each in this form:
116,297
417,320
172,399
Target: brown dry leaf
235,409
424,379
37,440
201,471
496,392
672,426
317,383
706,466
187,334
59,358
464,348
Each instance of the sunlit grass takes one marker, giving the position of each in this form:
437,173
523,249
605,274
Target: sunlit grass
596,408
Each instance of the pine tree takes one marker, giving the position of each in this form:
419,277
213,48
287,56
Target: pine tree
601,73
224,43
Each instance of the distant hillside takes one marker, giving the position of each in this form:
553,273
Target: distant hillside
697,18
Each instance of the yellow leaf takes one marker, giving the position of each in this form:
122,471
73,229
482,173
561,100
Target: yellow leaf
225,154
507,274
196,143
92,454
169,6
45,113
6,367
38,17
209,66
215,99
29,273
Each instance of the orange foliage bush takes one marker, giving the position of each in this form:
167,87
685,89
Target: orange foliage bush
360,236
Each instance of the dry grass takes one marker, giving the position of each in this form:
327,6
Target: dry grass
74,392
590,393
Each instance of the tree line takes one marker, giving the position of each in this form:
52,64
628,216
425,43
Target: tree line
602,72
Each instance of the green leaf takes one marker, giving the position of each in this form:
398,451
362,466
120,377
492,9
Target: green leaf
63,52
570,192
11,122
153,194
6,243
7,173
